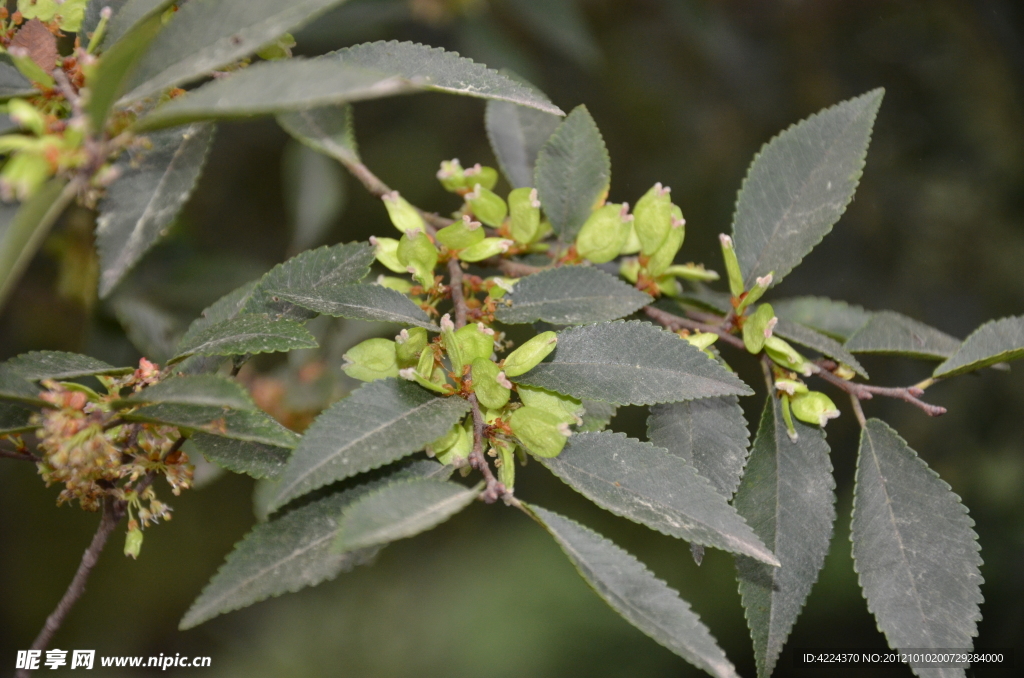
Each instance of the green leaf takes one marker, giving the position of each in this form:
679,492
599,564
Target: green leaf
152,330
12,82
596,415
253,426
826,346
573,173
362,302
517,134
997,341
258,460
14,418
788,496
799,185
59,365
257,333
837,319
631,590
401,509
711,434
128,16
203,389
27,230
650,486
377,424
895,334
570,295
329,130
207,34
913,548
138,208
308,273
631,363
92,14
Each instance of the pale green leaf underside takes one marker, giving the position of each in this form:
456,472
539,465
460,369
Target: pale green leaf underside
258,460
377,424
788,497
573,173
892,333
203,389
710,433
257,333
254,426
799,185
570,295
328,130
361,302
994,342
207,34
837,319
138,208
825,345
517,134
631,363
914,549
634,592
401,509
648,485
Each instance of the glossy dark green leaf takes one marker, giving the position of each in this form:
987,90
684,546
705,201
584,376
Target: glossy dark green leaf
207,34
254,426
997,341
914,549
837,319
138,208
634,592
401,509
799,185
825,345
517,134
710,433
377,424
573,173
328,129
650,486
204,389
258,460
257,333
891,333
570,295
631,363
361,302
788,497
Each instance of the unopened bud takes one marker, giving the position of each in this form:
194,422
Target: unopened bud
761,286
566,408
524,207
814,408
604,232
451,175
691,272
474,343
416,252
630,269
653,214
732,265
26,116
540,432
409,345
702,340
787,356
400,285
661,259
133,542
371,360
506,463
757,328
386,251
632,243
489,391
500,287
790,387
485,176
487,205
530,354
403,215
458,451
485,249
462,234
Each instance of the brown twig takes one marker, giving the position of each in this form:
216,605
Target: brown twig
494,489
858,411
372,183
14,454
675,322
113,511
458,294
867,392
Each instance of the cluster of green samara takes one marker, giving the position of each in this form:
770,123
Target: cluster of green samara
601,314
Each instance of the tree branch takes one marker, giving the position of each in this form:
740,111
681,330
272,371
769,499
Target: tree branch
14,454
675,322
494,489
867,392
458,294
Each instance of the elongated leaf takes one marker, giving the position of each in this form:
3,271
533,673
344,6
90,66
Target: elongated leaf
799,185
631,363
711,434
27,230
892,333
152,330
139,207
399,510
12,82
648,485
37,365
573,173
596,415
258,460
517,134
837,319
361,302
570,295
257,333
996,341
207,34
913,548
130,15
253,426
788,497
204,389
643,600
328,130
308,273
92,13
826,346
379,423
14,418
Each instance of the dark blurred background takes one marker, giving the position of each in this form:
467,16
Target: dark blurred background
685,92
